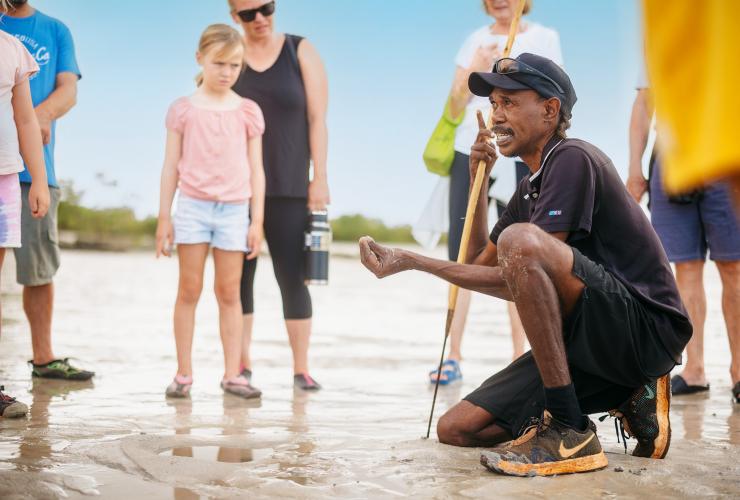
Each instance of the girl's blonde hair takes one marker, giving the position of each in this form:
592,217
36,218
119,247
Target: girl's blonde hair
5,5
527,6
220,37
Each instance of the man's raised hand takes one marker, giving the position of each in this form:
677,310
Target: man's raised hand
482,149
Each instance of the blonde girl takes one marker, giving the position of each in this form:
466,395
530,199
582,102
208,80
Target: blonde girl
213,158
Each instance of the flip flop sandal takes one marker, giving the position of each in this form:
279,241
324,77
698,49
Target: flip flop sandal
450,373
680,387
241,387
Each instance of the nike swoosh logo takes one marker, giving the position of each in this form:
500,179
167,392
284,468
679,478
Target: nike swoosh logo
651,393
568,452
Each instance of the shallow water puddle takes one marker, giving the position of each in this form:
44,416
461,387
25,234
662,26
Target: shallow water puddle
356,439
8,449
219,453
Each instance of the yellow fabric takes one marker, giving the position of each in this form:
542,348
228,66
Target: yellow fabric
693,57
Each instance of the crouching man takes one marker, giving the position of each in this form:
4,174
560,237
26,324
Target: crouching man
589,278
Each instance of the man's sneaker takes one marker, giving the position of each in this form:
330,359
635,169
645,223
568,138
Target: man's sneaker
548,448
60,368
304,382
10,407
240,386
180,387
645,417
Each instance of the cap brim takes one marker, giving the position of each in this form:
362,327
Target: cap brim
482,84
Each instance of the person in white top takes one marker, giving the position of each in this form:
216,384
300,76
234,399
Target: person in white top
20,140
478,53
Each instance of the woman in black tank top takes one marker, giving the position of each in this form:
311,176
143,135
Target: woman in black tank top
285,76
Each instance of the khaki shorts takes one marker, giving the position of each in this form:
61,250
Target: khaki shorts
37,260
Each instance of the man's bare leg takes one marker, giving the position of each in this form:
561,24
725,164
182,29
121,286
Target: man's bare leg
537,268
729,272
734,184
38,304
535,271
690,280
468,425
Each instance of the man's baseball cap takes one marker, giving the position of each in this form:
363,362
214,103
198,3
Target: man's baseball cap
527,72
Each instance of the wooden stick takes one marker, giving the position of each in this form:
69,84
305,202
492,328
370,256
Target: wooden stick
469,216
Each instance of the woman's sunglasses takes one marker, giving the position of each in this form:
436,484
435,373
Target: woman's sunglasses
250,15
507,66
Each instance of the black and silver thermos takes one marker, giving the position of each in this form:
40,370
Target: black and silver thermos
317,243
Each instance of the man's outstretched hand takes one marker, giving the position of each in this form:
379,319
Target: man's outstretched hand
380,260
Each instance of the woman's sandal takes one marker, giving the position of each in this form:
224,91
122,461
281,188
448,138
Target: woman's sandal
680,387
450,373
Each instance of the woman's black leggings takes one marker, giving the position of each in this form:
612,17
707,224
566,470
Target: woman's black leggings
459,192
285,223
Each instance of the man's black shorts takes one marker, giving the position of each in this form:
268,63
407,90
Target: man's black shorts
612,346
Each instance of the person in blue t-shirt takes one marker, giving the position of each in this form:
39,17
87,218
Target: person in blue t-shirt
54,93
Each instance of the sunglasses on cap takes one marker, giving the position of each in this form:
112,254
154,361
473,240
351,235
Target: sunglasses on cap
508,66
249,15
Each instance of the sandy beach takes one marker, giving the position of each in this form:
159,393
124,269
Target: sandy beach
374,342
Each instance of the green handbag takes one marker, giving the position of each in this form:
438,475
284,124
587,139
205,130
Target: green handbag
440,150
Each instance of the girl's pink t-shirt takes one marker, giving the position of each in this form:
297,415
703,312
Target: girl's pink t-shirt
214,164
16,65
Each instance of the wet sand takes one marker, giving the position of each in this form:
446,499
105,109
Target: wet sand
374,342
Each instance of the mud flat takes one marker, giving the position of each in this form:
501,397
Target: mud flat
361,437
